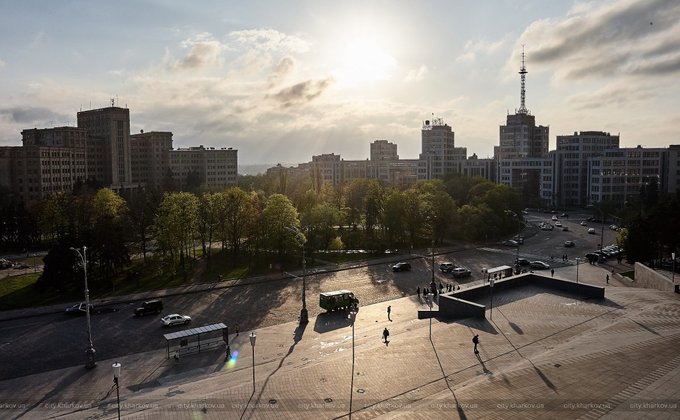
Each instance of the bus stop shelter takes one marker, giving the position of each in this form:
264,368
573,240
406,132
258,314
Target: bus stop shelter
499,272
196,340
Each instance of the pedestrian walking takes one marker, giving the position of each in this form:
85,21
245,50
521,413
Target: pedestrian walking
607,278
389,311
475,341
386,334
227,355
552,272
418,291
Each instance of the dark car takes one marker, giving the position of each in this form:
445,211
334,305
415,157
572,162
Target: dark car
154,306
569,244
539,265
446,267
401,266
522,261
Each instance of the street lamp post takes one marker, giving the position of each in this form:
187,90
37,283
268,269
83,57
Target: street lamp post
432,262
253,337
352,318
304,314
491,282
116,374
429,303
89,352
577,260
673,274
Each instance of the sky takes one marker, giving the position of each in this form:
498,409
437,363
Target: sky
281,81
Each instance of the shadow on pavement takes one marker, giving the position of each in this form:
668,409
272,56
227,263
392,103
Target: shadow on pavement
330,321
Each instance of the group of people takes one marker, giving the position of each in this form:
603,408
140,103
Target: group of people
434,290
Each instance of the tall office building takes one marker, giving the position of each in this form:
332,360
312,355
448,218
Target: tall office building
111,126
439,155
150,157
572,154
214,167
383,150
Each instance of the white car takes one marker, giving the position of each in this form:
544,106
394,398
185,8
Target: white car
592,231
584,223
554,218
175,319
558,224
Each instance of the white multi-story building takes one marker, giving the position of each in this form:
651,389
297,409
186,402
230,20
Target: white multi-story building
571,163
439,155
213,167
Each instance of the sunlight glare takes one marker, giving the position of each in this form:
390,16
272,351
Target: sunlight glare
363,60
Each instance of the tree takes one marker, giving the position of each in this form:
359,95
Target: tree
279,222
175,224
109,250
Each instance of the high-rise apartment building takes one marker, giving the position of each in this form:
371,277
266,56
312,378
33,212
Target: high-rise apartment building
383,150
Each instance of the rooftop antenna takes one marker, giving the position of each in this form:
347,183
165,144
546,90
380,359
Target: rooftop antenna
112,102
523,71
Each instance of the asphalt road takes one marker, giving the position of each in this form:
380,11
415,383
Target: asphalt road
54,341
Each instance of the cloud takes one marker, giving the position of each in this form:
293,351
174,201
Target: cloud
620,95
416,75
281,70
2,64
301,93
270,40
623,37
203,51
479,46
24,115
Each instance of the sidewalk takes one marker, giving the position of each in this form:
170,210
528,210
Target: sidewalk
540,350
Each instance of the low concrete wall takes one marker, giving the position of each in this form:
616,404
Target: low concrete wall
650,279
459,304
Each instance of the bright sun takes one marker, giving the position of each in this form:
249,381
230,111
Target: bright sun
363,60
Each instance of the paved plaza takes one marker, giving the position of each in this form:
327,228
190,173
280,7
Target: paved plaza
542,355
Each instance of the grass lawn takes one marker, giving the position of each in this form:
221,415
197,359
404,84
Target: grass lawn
19,292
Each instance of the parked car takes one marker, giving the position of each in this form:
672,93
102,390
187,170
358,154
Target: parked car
554,218
446,267
591,231
401,266
522,261
539,265
460,272
545,226
154,306
338,300
569,244
614,227
510,242
558,224
584,223
175,319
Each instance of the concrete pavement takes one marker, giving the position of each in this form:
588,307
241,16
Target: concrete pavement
542,355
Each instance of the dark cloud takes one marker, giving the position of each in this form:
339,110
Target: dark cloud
301,93
620,37
24,115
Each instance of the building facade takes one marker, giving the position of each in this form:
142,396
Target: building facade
213,167
150,157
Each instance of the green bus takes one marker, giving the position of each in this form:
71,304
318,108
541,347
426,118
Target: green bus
338,300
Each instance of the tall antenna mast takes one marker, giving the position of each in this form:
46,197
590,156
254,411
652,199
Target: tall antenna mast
523,71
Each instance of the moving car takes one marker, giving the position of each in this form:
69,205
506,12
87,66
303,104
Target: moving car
584,223
545,226
154,306
78,309
558,224
459,272
539,265
591,231
554,218
401,266
565,229
175,319
446,267
510,242
569,244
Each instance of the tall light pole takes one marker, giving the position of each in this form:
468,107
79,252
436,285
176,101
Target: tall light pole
577,260
432,261
352,317
429,303
116,375
673,274
491,282
304,315
253,337
89,352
